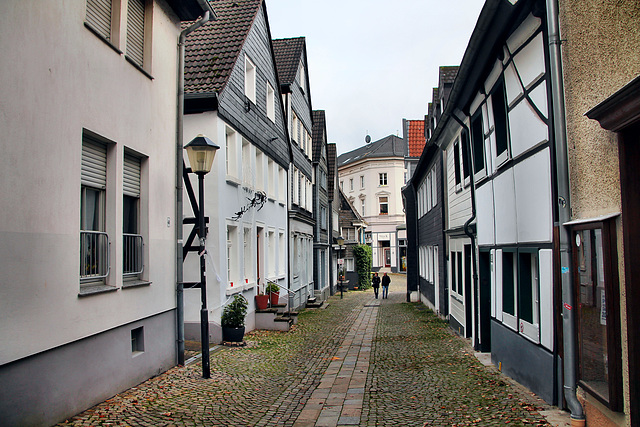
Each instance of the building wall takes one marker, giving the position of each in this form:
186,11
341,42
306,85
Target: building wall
599,57
48,97
226,195
381,227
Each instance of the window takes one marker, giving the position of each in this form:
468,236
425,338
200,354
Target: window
499,105
384,205
428,193
598,318
260,170
383,179
477,142
528,288
350,184
99,17
350,264
294,127
509,282
271,103
247,174
232,255
231,161
283,184
342,185
363,205
456,164
273,178
247,252
271,254
454,279
249,79
137,340
350,234
132,241
434,189
282,250
94,242
466,169
323,218
135,31
303,79
361,181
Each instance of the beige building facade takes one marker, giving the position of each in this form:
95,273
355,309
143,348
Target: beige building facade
600,62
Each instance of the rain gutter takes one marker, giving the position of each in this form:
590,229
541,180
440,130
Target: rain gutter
564,213
206,17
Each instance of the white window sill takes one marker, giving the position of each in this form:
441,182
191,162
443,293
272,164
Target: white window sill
87,290
135,283
231,180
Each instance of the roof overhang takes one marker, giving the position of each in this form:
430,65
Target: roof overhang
190,10
620,110
200,102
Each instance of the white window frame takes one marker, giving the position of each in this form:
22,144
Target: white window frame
271,103
231,153
249,79
247,259
232,256
350,264
383,179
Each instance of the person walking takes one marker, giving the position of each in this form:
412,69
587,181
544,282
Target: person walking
375,283
385,286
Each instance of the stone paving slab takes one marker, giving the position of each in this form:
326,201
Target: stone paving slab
360,361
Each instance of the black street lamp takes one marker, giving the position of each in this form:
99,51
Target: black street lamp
340,241
201,151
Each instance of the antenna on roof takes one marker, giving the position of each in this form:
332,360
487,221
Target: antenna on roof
367,139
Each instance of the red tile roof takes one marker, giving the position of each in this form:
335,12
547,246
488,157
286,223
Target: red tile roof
416,137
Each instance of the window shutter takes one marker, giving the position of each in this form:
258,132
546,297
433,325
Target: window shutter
99,17
135,31
131,176
94,163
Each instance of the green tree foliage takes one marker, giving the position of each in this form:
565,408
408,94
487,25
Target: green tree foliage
364,259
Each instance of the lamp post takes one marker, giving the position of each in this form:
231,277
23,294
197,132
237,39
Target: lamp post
340,241
201,152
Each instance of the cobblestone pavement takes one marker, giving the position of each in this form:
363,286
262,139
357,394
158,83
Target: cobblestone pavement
360,361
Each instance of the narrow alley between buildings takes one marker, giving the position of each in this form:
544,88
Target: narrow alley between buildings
360,361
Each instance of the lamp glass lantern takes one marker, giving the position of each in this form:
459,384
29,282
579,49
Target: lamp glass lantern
340,241
201,152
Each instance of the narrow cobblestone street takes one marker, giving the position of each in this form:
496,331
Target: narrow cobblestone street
360,361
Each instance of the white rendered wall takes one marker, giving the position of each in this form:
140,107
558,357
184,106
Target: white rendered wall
47,97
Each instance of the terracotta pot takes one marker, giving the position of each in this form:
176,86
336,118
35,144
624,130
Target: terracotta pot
274,296
262,302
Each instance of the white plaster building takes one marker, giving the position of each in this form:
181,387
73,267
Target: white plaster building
88,94
372,178
238,106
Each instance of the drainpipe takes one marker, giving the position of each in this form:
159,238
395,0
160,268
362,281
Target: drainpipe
564,213
467,231
179,186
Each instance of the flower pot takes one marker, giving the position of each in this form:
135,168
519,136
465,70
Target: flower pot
232,334
262,302
274,297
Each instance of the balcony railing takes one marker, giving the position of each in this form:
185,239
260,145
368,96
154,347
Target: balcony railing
132,258
94,255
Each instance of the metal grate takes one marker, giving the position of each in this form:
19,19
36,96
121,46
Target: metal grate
94,255
132,258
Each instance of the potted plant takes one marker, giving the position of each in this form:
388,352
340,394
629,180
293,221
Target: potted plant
273,292
232,319
262,301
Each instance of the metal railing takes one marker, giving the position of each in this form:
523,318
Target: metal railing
94,255
132,254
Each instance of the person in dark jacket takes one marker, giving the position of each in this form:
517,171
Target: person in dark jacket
385,286
375,283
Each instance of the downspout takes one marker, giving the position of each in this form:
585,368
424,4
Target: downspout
179,186
469,233
564,213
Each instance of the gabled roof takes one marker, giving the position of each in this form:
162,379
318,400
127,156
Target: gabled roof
390,146
332,167
288,54
346,205
319,133
416,138
212,50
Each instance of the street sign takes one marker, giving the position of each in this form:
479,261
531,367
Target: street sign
340,261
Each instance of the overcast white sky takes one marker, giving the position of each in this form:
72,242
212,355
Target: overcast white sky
373,62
